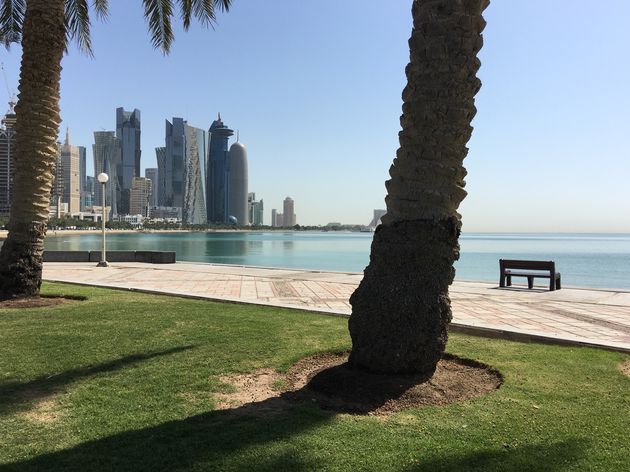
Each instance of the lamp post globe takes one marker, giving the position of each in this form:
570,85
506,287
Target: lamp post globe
103,178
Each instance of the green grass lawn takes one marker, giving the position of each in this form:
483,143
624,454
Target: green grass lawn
126,381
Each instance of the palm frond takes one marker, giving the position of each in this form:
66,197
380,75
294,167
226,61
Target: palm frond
11,19
203,10
158,14
186,7
101,7
78,24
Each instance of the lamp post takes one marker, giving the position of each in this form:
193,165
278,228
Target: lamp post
103,178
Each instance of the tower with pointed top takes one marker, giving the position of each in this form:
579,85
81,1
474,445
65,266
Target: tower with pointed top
218,173
7,145
70,172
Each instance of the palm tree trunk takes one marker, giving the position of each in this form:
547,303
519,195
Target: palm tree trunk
37,126
401,309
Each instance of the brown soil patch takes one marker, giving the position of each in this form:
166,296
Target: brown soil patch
328,380
44,411
625,368
37,302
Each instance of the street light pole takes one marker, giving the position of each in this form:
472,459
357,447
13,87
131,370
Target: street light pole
103,178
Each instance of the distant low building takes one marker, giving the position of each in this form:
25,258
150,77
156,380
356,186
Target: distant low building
97,209
86,215
166,213
134,220
58,210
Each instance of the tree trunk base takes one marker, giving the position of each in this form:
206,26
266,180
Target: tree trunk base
21,266
401,309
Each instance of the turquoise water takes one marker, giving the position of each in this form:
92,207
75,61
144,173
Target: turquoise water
588,260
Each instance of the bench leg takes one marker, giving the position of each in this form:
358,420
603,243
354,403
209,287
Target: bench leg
502,281
530,282
509,281
558,286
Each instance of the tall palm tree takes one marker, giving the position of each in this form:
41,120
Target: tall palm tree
401,309
44,27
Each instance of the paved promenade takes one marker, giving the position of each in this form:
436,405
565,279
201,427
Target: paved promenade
591,317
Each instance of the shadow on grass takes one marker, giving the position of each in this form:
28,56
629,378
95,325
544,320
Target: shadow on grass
534,457
20,395
264,436
208,441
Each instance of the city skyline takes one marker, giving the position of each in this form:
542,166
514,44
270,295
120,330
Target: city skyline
551,109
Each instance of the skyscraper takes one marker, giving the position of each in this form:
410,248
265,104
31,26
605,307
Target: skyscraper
258,213
277,220
196,145
7,143
237,183
376,219
91,186
152,175
183,170
139,196
288,214
128,134
58,187
163,184
106,150
217,184
70,171
82,175
255,209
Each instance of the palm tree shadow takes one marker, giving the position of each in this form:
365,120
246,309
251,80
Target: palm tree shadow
539,457
20,395
234,439
203,441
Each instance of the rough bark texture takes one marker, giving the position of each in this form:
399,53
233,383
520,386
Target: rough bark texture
37,127
401,310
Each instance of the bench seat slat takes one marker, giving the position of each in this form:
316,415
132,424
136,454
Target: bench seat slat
531,270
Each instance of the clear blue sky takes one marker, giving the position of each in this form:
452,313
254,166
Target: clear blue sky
314,88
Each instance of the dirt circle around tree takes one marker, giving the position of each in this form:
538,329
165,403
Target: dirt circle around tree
329,381
39,302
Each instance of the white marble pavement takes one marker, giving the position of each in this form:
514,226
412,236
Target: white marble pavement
571,315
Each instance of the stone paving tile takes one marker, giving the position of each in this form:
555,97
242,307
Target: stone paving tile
600,317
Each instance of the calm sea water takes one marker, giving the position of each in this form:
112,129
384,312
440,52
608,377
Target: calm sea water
588,260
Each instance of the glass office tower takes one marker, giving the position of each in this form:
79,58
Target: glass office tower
184,176
218,171
106,150
128,134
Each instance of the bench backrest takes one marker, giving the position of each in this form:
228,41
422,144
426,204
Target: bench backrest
527,265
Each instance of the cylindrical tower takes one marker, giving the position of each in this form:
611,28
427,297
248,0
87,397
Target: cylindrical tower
238,183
